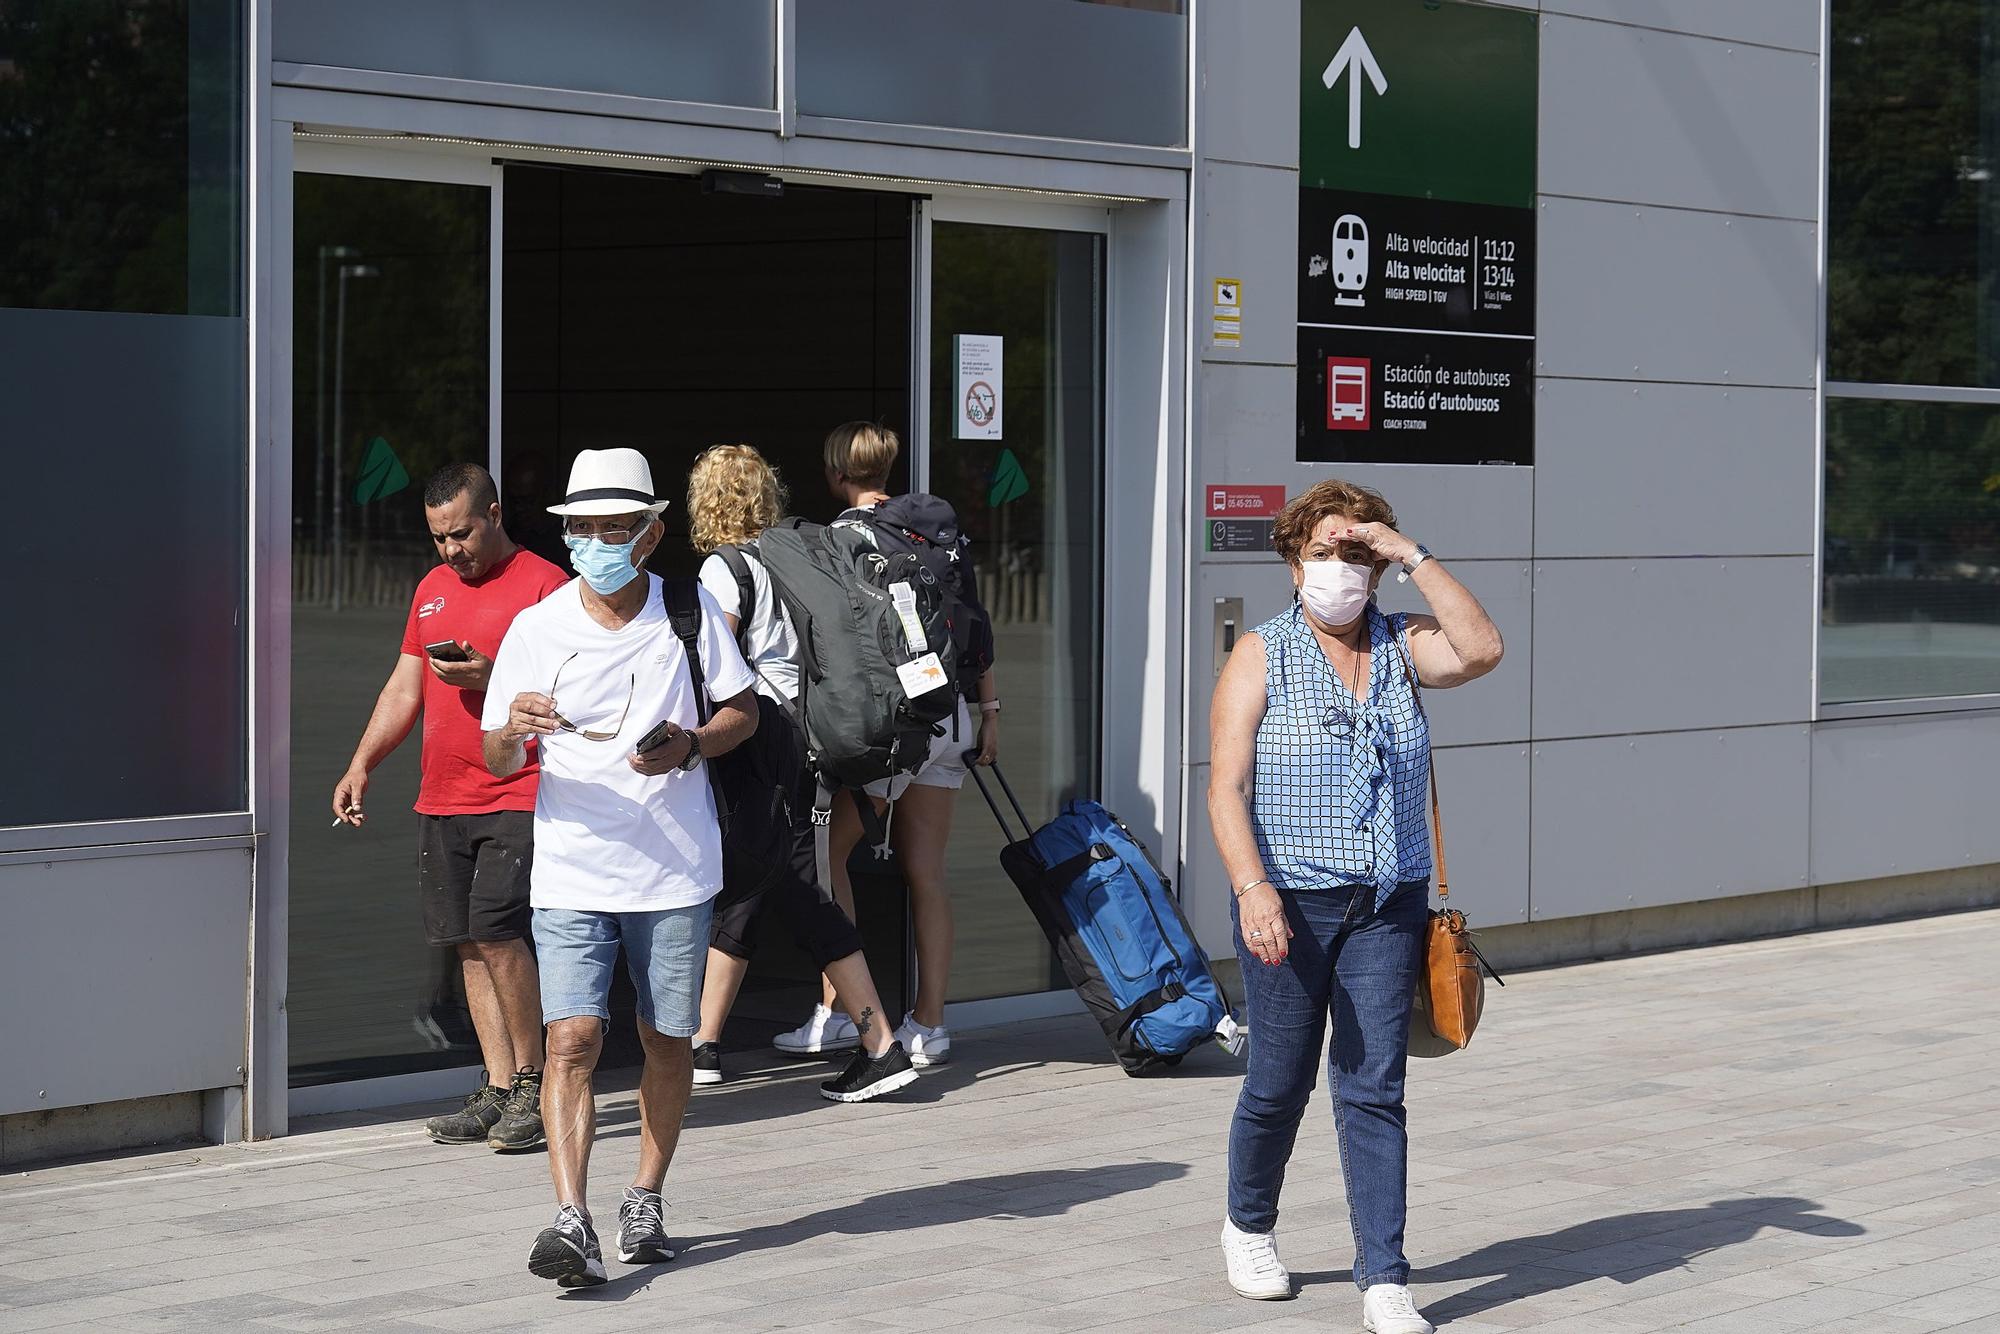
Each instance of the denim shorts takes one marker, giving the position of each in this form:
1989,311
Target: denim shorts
665,952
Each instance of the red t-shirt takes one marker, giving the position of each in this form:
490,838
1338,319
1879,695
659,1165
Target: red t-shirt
447,607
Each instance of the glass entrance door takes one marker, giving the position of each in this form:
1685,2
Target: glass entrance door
390,380
1016,444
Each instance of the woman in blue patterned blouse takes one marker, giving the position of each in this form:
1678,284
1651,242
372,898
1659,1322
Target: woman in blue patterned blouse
1320,762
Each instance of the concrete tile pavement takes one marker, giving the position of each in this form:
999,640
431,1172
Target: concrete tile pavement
1791,1134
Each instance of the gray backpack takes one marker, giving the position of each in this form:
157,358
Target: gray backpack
878,673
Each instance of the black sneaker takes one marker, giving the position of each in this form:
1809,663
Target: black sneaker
520,1123
708,1063
642,1231
472,1123
871,1076
567,1251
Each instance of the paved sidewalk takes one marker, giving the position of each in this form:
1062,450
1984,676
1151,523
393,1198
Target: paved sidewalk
1796,1134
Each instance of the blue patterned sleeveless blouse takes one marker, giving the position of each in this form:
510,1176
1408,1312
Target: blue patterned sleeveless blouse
1338,794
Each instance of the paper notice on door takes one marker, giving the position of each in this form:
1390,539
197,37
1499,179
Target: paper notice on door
922,676
905,598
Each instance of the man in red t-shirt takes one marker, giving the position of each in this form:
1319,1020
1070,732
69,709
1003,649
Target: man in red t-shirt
476,832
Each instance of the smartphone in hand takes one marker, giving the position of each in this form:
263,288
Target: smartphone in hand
447,650
664,731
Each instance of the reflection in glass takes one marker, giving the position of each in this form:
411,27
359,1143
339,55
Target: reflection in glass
1911,602
389,363
1031,503
123,379
1913,147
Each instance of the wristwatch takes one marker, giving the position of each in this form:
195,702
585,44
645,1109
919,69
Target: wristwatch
1410,565
693,756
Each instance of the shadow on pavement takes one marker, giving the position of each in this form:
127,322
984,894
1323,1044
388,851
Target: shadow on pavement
1622,1247
1040,1194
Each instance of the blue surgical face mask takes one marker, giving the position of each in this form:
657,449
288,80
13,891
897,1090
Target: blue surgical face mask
604,567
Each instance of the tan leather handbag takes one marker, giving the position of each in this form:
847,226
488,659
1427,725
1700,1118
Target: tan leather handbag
1451,990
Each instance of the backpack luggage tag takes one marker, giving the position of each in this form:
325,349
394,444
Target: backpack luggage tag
1231,1036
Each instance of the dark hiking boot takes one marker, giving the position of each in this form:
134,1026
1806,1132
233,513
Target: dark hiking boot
520,1123
472,1123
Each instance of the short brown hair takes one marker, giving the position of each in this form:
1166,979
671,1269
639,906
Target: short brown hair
1319,502
733,495
862,452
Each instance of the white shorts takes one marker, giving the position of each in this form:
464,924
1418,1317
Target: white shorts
945,766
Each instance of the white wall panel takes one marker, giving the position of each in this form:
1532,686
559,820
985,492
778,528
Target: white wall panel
1483,794
1891,796
1249,232
122,976
1654,645
1247,114
1654,117
1484,513
1205,885
1633,822
1645,293
1673,470
1789,23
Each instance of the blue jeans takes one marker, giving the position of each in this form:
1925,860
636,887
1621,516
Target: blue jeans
665,952
1361,965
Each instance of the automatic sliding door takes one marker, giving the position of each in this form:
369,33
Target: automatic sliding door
390,381
1030,497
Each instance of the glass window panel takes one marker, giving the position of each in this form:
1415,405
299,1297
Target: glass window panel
1911,602
721,52
389,357
125,391
121,156
1911,208
1114,73
1031,502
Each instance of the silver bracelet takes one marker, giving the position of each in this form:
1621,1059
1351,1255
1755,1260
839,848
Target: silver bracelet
1252,885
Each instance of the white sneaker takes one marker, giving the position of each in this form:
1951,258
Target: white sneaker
827,1030
1386,1308
926,1046
1254,1268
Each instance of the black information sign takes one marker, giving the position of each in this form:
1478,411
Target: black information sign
1416,325
1240,535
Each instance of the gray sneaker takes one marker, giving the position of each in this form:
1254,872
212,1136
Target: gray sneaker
567,1251
520,1123
642,1231
473,1122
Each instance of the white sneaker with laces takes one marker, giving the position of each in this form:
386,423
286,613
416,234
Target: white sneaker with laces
1387,1308
926,1046
827,1030
1254,1268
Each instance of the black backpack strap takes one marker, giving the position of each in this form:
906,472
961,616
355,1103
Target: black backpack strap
746,592
682,599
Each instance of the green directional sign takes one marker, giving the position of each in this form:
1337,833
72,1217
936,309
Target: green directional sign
382,473
1010,481
1433,99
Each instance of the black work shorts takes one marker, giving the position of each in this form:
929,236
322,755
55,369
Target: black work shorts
818,924
472,875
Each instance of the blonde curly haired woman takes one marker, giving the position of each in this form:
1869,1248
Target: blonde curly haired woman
733,496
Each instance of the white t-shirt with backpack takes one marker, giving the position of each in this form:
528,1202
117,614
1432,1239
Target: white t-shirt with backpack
769,643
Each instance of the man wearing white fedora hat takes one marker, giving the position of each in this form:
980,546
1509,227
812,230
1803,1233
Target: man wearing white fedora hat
628,852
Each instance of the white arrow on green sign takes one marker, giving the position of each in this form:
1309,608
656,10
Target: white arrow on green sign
1354,58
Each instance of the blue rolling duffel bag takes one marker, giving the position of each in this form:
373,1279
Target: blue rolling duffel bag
1118,930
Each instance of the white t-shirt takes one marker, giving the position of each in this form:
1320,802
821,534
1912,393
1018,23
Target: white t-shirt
773,648
608,838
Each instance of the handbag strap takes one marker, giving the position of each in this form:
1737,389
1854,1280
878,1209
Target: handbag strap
1430,765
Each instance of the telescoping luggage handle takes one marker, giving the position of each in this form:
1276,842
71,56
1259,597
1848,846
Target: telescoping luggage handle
973,766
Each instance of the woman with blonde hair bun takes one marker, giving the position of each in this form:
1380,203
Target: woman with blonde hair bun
733,496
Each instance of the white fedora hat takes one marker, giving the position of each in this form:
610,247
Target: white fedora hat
609,481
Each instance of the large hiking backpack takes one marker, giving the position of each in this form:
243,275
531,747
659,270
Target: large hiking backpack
926,527
753,784
877,681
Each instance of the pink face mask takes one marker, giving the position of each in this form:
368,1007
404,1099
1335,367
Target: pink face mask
1334,591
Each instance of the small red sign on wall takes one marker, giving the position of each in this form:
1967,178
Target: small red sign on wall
1347,393
1244,502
